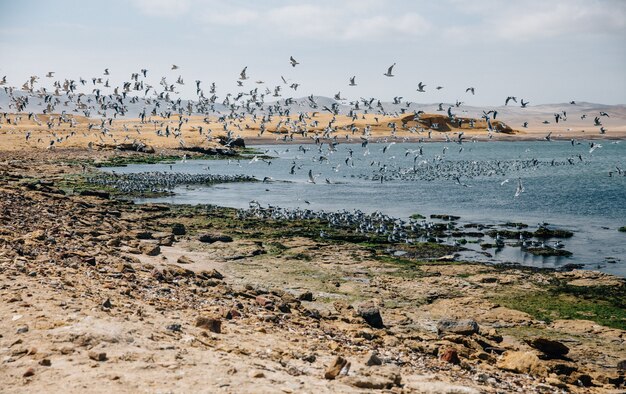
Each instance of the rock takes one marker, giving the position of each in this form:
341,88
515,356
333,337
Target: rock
209,323
45,362
305,296
211,274
552,349
210,238
107,304
460,327
264,302
370,313
373,359
184,260
96,193
179,229
150,249
450,356
97,356
522,362
338,364
174,327
257,374
621,365
22,329
29,372
385,381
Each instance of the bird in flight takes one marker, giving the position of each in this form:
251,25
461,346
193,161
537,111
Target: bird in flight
293,61
470,89
420,87
352,83
389,71
242,75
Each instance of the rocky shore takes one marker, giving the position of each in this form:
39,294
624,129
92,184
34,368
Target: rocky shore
99,294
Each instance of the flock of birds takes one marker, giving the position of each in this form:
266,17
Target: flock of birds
167,115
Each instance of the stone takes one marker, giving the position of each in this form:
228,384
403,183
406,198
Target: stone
376,382
552,349
460,327
97,356
209,323
522,362
150,249
211,274
29,372
335,368
211,238
371,314
621,365
373,359
179,229
450,355
184,260
107,304
305,296
45,362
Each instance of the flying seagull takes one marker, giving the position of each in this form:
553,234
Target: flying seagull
389,71
420,87
293,61
352,83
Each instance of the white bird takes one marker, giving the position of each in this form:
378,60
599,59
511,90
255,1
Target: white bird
352,83
242,74
420,87
520,187
389,71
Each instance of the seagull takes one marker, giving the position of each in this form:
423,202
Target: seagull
352,83
470,89
242,75
174,67
420,87
520,187
548,137
524,104
389,71
506,102
311,177
293,61
50,74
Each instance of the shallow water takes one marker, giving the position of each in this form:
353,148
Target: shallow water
578,195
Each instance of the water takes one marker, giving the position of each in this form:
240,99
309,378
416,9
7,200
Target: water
570,193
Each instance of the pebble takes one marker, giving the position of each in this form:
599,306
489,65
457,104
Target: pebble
97,356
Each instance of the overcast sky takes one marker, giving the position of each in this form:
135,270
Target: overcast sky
545,51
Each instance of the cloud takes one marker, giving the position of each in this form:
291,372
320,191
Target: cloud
337,23
533,20
163,8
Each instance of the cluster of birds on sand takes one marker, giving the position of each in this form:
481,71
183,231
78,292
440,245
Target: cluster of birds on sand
393,230
159,182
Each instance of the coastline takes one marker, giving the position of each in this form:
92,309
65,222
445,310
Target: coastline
108,272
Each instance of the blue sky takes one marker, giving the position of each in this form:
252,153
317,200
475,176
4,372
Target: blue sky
546,51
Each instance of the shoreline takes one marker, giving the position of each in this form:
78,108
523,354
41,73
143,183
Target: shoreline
202,283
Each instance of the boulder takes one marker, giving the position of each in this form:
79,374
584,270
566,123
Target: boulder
179,229
209,323
522,362
210,238
150,249
371,314
552,349
460,327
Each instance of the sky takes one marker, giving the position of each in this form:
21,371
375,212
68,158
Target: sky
545,51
